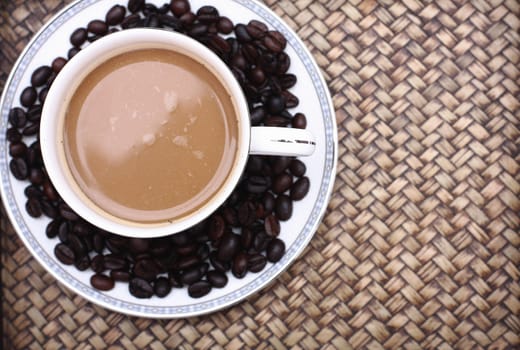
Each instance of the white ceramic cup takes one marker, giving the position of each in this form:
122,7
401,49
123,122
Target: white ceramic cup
251,140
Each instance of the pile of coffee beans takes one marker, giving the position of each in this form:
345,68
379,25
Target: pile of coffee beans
242,235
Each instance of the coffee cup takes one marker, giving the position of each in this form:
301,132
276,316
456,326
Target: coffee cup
146,132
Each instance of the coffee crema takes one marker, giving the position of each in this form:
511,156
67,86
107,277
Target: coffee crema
150,136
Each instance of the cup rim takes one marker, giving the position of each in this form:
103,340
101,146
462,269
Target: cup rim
52,120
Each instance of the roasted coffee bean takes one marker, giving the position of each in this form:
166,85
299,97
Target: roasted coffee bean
287,81
131,21
40,76
256,262
181,238
250,53
217,279
199,289
282,183
284,62
257,184
116,244
280,164
51,231
254,165
96,264
48,209
247,213
102,282
275,250
33,191
135,5
28,96
260,242
246,238
115,15
230,216
256,29
162,287
208,14
268,202
257,115
115,262
160,247
225,25
188,19
180,7
140,288
49,191
277,120
78,37
192,275
272,226
229,247
170,21
257,76
299,121
17,149
139,245
63,232
241,33
13,135
239,267
283,207
33,207
82,263
31,129
58,63
98,242
218,45
186,262
152,21
64,254
217,227
149,9
203,252
275,104
188,249
72,52
19,168
268,62
239,62
97,27
291,100
146,269
219,265
81,228
120,275
198,30
275,41
42,95
34,113
300,189
77,245
67,213
174,277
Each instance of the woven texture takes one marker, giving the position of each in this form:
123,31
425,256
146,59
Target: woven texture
419,248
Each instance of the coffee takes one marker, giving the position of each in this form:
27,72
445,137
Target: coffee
150,135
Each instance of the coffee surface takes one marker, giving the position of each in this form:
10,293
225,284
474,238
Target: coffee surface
150,135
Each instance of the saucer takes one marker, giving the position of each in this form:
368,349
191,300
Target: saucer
315,102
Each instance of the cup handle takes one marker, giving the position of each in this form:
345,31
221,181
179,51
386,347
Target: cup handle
276,141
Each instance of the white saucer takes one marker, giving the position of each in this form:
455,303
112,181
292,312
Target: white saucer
52,41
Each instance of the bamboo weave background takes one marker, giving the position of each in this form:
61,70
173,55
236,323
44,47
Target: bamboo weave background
420,246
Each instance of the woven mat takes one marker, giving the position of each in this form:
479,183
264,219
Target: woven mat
419,248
